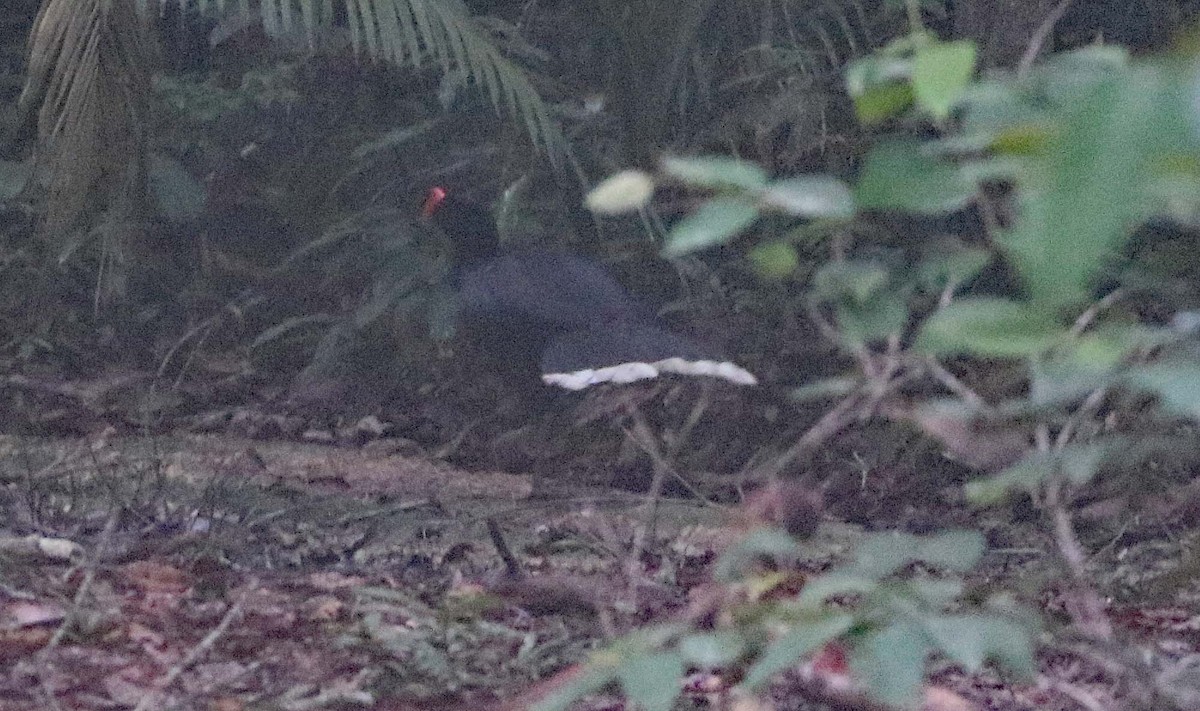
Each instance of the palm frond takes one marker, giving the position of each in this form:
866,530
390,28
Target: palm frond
416,33
88,74
410,31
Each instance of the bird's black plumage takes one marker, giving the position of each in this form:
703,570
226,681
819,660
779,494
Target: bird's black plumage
557,311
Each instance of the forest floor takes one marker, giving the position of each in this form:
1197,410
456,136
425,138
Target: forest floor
312,569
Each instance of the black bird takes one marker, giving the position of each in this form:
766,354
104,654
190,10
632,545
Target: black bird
559,311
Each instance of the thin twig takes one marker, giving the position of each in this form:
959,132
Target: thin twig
831,423
99,553
644,437
1085,606
1089,316
1086,409
693,418
1034,48
1076,693
150,699
954,385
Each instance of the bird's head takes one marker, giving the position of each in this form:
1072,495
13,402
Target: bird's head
469,225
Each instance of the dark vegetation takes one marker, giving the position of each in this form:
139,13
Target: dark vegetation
955,241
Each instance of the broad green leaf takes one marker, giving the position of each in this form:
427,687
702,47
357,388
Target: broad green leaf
593,678
716,172
940,72
953,264
1025,475
882,102
717,221
882,554
1090,361
879,86
973,639
625,191
901,175
989,327
892,662
811,196
1177,385
652,681
1056,380
1022,140
1095,184
821,588
856,281
1078,462
991,107
712,649
769,542
936,593
863,75
805,637
957,550
775,260
880,316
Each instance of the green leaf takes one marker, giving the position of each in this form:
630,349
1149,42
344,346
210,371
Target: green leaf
762,542
712,649
1177,385
652,681
940,73
881,316
973,639
1095,183
856,281
775,260
892,662
717,221
1078,462
901,175
592,679
936,593
870,72
989,327
882,102
1026,475
882,554
955,264
805,637
957,550
716,172
879,84
821,588
625,191
811,196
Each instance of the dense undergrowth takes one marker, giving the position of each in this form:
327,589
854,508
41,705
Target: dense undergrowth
1001,261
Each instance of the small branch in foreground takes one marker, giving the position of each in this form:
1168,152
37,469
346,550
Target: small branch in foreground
235,611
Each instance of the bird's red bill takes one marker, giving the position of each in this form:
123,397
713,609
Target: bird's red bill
433,200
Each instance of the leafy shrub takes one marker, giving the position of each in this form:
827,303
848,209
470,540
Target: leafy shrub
1063,165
